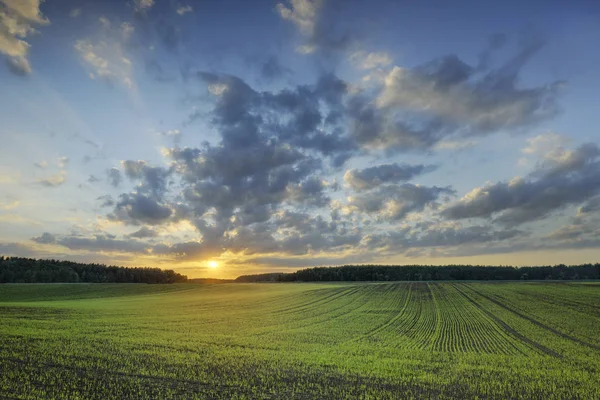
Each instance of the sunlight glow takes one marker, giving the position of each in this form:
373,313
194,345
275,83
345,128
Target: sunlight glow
213,264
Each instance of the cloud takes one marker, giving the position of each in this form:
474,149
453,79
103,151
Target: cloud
93,179
152,179
445,99
561,179
102,242
372,177
191,250
142,5
414,240
454,144
54,180
41,164
104,22
114,177
106,59
174,134
17,18
546,145
74,13
363,60
591,206
45,238
442,89
303,13
181,10
271,69
394,202
138,208
17,249
62,162
106,201
143,232
315,28
127,30
9,178
9,205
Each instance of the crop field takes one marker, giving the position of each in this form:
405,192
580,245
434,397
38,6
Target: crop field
521,340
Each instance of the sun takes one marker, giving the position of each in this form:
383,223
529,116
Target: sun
213,264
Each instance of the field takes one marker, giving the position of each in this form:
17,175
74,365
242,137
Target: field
366,340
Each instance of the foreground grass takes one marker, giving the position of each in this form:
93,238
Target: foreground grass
365,340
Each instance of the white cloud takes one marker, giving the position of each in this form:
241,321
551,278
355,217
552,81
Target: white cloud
364,60
106,60
303,13
104,22
62,162
217,89
547,146
9,205
184,10
127,30
76,12
54,180
449,144
142,5
41,164
16,20
545,143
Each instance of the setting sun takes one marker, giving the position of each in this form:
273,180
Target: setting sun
213,264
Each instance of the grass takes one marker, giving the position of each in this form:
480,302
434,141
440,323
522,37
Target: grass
342,340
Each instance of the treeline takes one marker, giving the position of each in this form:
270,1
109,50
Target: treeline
28,270
429,273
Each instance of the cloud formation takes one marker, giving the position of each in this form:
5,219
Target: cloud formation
371,177
562,178
17,21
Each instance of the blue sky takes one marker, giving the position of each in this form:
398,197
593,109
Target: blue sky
268,136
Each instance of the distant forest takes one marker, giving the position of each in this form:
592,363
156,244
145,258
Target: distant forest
27,270
429,273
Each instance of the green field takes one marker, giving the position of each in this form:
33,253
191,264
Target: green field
365,340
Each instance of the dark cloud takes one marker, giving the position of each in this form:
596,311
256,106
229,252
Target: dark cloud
137,208
591,206
156,71
17,249
153,179
413,240
45,238
375,128
106,201
569,178
394,202
114,177
93,179
372,177
98,242
271,69
188,250
303,116
310,192
18,66
143,232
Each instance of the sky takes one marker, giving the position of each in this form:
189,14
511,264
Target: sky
266,136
